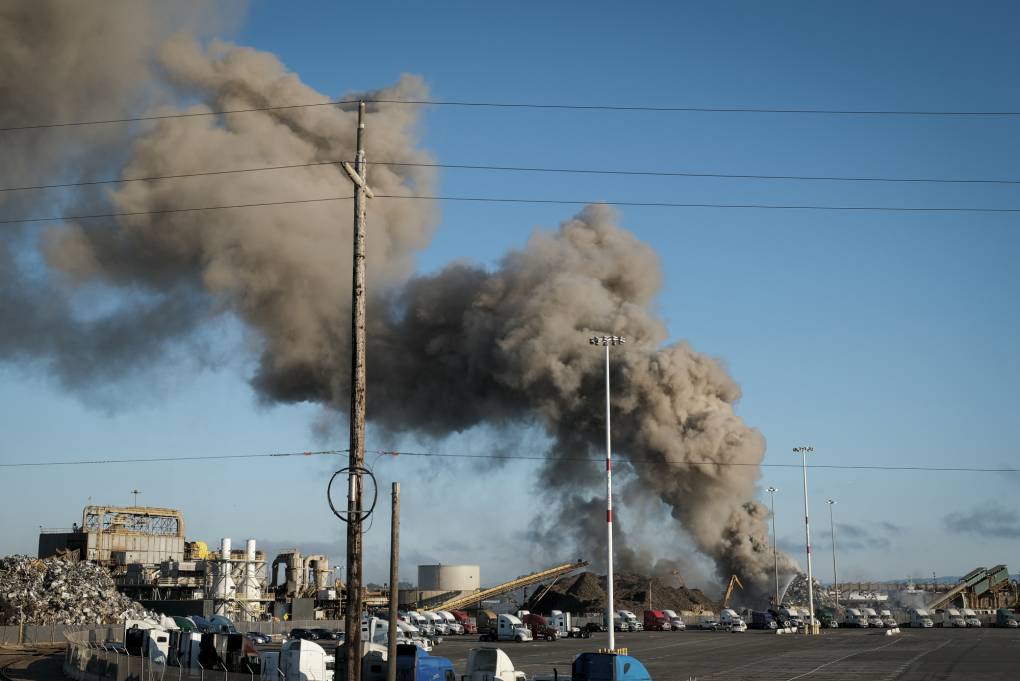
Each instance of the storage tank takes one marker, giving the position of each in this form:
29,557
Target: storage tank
449,577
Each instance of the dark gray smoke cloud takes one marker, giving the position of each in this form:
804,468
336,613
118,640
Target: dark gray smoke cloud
505,348
992,520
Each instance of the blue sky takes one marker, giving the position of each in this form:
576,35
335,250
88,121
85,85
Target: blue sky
880,338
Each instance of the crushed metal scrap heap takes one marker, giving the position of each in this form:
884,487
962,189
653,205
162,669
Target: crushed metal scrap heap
797,593
60,591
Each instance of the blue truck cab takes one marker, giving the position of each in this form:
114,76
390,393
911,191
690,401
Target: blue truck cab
608,667
414,664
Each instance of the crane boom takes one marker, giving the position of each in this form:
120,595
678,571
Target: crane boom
734,580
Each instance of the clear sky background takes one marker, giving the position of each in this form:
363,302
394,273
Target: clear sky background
880,338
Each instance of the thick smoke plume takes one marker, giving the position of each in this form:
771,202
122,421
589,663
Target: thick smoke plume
461,348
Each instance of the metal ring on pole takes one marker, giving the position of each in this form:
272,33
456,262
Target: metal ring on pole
375,492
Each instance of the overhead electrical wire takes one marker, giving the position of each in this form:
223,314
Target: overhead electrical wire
947,113
498,457
161,459
523,169
495,199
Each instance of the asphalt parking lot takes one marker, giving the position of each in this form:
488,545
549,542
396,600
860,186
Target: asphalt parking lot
835,655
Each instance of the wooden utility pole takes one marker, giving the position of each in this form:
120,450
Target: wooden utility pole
352,618
391,668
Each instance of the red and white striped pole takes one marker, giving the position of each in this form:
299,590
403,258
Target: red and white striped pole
606,341
809,627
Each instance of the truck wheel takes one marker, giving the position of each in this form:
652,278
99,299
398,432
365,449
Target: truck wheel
519,639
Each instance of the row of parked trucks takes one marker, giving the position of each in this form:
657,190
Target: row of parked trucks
165,644
439,623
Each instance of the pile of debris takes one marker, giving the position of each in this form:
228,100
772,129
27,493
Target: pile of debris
60,591
797,593
587,593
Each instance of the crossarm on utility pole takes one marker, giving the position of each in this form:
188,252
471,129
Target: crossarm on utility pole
358,179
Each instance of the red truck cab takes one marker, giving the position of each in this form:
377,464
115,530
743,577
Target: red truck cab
540,629
465,621
656,620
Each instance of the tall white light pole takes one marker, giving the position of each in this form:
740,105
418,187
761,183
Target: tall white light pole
832,530
607,341
775,549
803,451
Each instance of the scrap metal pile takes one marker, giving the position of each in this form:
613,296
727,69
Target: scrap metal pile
797,593
586,592
60,591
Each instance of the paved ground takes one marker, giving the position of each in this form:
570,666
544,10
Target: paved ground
842,655
28,664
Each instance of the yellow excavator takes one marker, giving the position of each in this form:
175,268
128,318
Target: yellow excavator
734,580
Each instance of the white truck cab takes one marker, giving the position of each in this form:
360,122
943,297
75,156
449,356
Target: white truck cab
970,618
855,618
437,622
422,624
919,618
490,664
631,620
731,620
873,619
952,618
453,627
887,618
511,628
675,620
791,615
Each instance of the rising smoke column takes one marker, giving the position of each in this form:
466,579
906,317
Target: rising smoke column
467,346
448,352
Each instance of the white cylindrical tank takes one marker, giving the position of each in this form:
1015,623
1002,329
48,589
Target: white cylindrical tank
252,588
223,587
449,577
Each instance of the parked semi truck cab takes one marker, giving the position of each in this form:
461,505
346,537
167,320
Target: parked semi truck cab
675,620
421,624
970,618
464,621
887,619
539,627
730,619
608,667
855,618
493,627
873,619
919,618
656,620
952,618
1004,617
763,620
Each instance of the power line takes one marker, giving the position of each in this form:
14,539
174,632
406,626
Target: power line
493,199
668,204
527,169
511,457
531,105
94,216
160,459
537,457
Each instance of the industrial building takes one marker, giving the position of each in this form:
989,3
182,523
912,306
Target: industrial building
151,561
